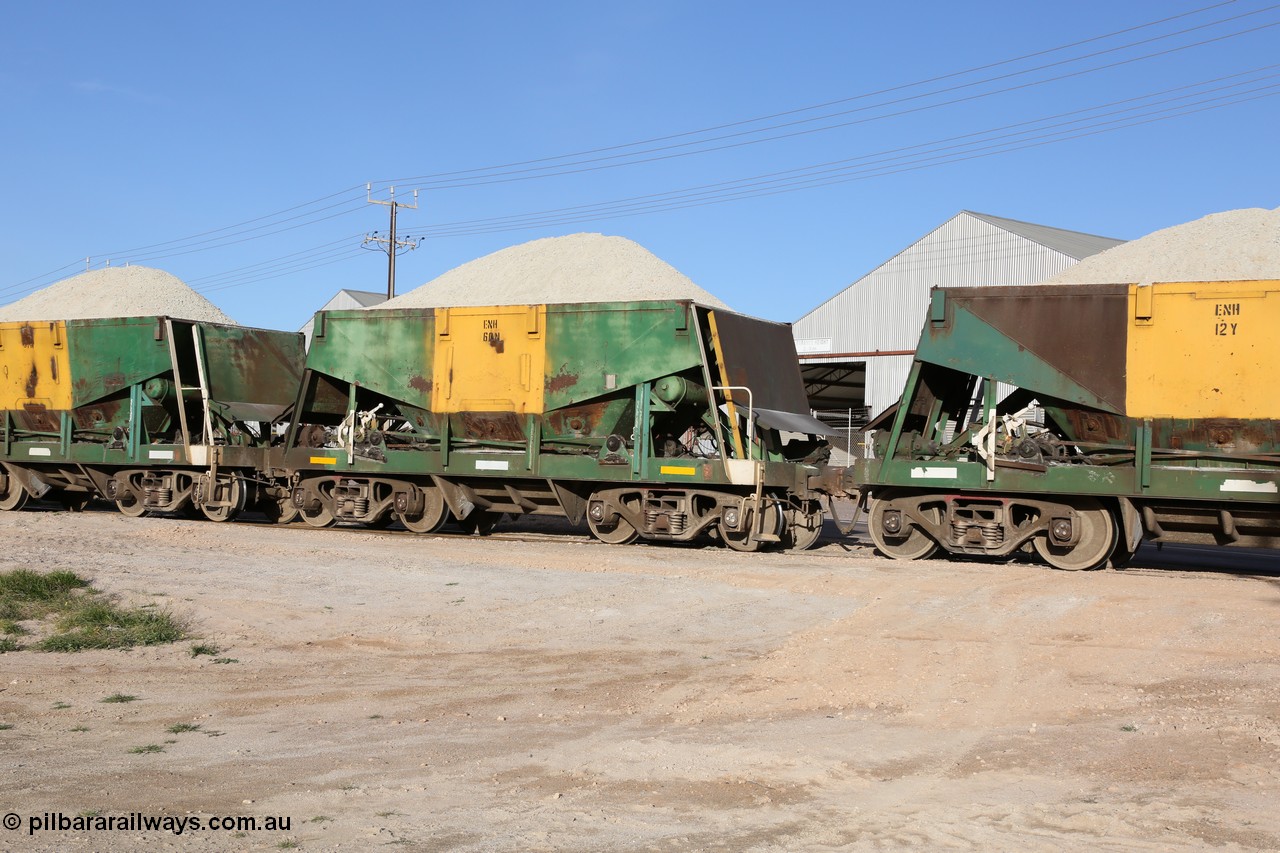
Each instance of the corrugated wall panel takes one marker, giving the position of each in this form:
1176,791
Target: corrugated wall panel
885,309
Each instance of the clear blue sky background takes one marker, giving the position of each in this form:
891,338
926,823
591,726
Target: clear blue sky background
128,125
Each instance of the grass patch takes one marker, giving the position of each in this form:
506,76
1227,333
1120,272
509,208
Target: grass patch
179,728
59,706
1129,728
118,698
23,588
76,616
79,729
104,625
226,660
205,649
149,748
4,727
9,644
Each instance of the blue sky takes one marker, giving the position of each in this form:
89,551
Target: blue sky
230,143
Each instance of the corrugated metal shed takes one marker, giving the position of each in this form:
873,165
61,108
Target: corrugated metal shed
343,300
876,320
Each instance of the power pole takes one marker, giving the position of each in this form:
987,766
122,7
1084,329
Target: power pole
390,244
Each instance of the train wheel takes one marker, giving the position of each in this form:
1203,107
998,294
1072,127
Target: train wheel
480,522
131,505
15,495
323,517
280,511
802,526
1097,539
899,539
617,531
433,516
235,493
744,539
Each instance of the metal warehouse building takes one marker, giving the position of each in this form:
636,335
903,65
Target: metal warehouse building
855,349
345,300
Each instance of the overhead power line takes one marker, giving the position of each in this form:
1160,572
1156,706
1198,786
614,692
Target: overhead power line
535,218
636,158
268,220
736,190
797,110
750,131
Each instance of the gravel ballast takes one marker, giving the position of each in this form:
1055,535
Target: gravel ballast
115,292
1235,245
573,268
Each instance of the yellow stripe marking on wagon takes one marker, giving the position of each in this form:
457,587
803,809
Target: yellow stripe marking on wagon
323,460
674,469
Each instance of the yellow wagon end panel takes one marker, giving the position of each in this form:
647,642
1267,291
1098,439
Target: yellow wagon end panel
1203,350
490,359
34,370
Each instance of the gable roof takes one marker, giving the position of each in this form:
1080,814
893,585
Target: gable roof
1073,244
365,298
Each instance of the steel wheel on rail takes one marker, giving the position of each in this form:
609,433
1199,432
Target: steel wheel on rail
279,510
611,531
614,531
1096,539
803,526
893,533
744,539
15,495
234,494
130,504
433,516
322,517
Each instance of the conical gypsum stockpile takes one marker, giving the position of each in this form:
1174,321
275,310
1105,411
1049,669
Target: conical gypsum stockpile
555,270
115,292
1235,245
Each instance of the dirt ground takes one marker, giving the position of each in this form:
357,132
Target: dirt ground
552,693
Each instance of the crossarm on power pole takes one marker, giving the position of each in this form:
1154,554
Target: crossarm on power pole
390,244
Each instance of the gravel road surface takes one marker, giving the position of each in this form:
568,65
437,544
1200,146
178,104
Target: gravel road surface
552,693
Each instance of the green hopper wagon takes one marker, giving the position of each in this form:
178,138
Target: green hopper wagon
663,420
1074,422
157,414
